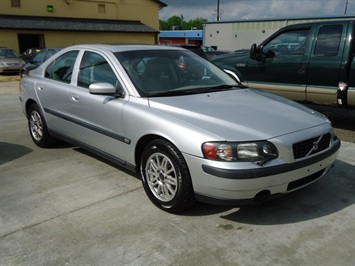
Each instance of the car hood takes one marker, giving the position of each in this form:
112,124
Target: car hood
10,61
242,114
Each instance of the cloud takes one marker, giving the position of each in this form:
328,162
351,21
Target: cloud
256,9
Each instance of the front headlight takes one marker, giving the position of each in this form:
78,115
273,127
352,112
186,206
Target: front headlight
260,151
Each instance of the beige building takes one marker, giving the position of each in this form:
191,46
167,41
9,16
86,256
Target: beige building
59,23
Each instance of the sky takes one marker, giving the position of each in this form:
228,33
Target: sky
256,9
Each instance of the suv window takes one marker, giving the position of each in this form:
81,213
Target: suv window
289,43
328,40
38,58
93,69
62,67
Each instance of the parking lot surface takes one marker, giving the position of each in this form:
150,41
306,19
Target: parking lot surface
65,206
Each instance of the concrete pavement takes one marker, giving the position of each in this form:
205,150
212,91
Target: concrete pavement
64,206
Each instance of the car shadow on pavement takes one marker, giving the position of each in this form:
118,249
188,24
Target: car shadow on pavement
332,193
11,151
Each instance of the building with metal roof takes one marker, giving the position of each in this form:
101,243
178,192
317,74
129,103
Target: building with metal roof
241,34
44,23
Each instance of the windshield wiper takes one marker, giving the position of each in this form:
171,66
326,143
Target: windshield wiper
173,93
218,88
194,91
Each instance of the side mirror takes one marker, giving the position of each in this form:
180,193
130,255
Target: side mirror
103,88
253,51
270,54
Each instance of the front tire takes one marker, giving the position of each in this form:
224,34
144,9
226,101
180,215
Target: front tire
38,128
165,177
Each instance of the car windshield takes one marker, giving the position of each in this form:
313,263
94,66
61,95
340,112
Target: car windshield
173,72
8,53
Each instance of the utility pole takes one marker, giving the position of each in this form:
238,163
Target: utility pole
218,18
346,6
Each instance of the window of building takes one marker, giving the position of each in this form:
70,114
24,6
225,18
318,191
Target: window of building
15,3
102,8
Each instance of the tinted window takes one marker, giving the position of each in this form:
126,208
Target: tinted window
49,53
328,40
290,42
62,67
93,69
38,58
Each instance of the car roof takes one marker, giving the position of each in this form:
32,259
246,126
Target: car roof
123,47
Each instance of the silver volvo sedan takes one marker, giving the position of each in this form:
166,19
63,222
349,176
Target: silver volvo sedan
190,129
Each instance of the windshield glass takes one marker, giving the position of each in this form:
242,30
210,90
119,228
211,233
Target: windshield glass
8,53
172,72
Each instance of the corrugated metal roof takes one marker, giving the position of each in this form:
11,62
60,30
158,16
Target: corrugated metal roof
281,19
72,24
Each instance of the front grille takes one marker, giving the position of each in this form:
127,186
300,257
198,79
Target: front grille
311,146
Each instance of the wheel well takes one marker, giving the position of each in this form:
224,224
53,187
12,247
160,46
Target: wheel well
28,105
141,144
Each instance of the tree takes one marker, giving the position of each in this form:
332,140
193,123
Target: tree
178,23
197,23
174,21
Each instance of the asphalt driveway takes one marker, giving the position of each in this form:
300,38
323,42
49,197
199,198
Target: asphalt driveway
64,206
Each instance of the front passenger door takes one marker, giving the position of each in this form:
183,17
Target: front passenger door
97,118
283,68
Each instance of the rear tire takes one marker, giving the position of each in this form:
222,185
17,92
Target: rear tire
165,177
38,128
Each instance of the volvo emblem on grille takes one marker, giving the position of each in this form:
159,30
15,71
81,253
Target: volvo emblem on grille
315,146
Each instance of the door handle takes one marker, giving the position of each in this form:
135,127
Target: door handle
74,98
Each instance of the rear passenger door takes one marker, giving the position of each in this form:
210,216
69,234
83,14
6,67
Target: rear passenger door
52,92
325,63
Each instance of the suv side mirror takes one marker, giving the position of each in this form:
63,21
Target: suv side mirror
253,51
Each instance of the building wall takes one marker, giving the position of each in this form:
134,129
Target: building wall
237,35
9,38
146,11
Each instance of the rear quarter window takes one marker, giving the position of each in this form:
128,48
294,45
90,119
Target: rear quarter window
61,68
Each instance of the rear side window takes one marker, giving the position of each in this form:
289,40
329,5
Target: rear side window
61,68
328,40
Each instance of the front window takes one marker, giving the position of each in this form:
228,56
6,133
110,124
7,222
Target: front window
288,43
94,69
172,72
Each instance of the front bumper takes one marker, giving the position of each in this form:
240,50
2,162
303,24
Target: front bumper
238,186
